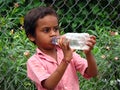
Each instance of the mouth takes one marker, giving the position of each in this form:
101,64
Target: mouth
55,40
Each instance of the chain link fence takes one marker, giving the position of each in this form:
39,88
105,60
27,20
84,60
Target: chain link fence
97,17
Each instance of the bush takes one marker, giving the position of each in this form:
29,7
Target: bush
106,52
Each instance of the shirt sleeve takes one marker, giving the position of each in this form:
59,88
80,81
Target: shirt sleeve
36,71
81,65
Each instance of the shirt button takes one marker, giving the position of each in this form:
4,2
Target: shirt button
65,88
59,57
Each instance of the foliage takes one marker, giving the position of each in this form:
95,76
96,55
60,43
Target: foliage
15,48
84,15
106,52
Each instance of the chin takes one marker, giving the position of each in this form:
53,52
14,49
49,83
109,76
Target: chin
51,47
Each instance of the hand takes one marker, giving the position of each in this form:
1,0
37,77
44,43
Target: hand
64,44
91,42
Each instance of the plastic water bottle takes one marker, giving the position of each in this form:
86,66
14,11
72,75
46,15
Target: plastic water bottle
76,40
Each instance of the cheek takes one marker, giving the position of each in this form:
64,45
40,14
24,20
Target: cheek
58,33
38,35
42,38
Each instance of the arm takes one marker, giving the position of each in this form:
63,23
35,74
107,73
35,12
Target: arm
92,67
56,76
51,82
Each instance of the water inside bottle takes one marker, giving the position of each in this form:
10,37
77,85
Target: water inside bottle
78,40
74,43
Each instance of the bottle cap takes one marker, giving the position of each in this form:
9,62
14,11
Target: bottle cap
55,40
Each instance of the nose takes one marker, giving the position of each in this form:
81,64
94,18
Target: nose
53,33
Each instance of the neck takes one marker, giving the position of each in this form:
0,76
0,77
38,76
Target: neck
48,51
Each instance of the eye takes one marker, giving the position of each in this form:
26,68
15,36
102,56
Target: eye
56,28
46,30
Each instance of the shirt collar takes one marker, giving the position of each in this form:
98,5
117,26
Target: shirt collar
39,51
47,57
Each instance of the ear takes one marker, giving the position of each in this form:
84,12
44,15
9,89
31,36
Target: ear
32,38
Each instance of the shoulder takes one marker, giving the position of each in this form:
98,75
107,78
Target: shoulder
77,57
33,59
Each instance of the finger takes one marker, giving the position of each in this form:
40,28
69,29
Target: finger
92,40
61,41
73,50
93,37
89,44
68,44
64,43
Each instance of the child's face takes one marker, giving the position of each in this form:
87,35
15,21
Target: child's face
46,28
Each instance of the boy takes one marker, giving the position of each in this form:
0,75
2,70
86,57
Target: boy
54,67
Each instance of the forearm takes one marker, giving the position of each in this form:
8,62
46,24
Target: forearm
51,82
92,67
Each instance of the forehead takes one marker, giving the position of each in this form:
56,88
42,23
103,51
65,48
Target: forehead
48,20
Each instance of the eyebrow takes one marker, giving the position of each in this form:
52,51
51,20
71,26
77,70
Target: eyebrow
49,27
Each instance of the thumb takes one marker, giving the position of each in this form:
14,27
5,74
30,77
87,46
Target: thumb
73,50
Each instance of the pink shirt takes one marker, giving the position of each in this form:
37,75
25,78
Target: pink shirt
40,66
